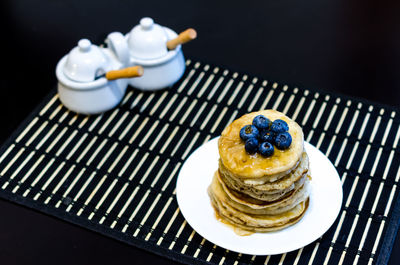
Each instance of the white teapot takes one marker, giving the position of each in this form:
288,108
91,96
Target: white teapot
158,50
91,79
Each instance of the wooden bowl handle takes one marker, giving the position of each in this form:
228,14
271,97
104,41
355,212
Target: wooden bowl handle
129,72
183,37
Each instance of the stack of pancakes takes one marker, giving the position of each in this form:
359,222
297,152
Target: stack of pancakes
255,193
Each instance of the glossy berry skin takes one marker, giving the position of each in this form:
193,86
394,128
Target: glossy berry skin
267,136
279,126
266,149
251,145
261,122
249,131
283,140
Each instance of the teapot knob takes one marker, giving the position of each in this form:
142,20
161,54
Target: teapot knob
84,45
146,23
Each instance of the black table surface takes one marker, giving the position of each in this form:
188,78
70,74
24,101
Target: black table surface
346,46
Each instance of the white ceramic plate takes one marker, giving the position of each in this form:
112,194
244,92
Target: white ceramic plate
194,203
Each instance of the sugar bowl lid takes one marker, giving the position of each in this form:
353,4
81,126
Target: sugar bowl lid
85,62
148,40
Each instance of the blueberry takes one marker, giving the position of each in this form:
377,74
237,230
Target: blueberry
279,126
267,136
283,140
248,131
251,145
261,122
266,149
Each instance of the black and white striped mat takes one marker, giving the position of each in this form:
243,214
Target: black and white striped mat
115,173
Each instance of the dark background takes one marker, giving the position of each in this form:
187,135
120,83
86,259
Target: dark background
346,46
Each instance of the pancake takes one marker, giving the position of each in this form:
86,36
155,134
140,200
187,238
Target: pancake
243,204
255,167
253,193
253,222
239,228
270,191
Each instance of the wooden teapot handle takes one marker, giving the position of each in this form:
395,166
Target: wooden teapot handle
129,72
183,37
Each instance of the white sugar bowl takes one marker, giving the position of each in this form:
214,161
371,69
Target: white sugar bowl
86,82
158,49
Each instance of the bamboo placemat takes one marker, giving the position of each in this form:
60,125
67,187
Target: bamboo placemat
115,173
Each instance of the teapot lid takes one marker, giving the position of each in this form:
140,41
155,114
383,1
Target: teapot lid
148,40
85,62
